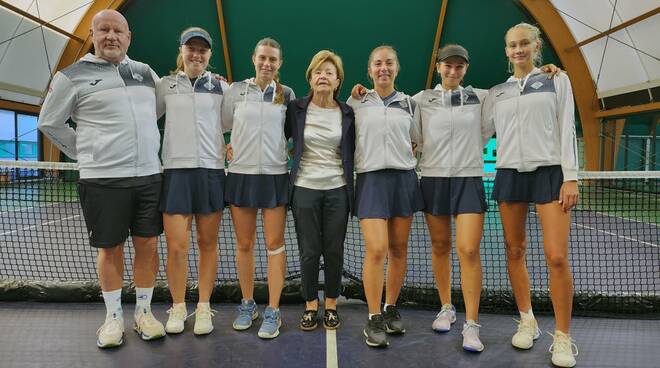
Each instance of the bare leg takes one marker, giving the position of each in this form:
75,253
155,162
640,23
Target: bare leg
245,226
556,224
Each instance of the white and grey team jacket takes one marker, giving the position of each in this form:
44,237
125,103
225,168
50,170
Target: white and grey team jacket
384,134
193,129
450,125
535,123
257,128
114,108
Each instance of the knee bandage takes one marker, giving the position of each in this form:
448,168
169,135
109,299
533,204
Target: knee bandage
276,251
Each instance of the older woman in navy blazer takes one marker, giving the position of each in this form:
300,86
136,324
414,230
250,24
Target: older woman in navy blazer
321,183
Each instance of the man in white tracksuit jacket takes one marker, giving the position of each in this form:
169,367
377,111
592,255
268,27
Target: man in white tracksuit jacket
112,100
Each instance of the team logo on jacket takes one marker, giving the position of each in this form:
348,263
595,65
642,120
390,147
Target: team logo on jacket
433,99
95,82
138,77
537,85
403,104
172,85
209,86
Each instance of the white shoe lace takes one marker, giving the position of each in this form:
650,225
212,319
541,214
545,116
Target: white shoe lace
527,326
444,311
178,313
562,344
204,313
147,319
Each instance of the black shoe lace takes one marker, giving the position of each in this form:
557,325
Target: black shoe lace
377,323
392,312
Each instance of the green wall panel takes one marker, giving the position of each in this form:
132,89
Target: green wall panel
349,27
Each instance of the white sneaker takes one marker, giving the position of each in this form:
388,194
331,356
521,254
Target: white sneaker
444,318
111,333
178,315
203,320
562,350
528,331
148,326
471,341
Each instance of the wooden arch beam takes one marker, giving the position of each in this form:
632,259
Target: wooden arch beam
436,43
584,90
619,27
72,52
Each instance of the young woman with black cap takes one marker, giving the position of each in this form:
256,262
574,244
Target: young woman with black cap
193,162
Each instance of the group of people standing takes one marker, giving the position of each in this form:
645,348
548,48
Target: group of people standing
376,134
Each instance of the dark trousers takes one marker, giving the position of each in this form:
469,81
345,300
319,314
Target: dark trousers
320,217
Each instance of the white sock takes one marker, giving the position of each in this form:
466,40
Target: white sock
143,298
207,305
527,315
175,305
373,314
385,306
112,301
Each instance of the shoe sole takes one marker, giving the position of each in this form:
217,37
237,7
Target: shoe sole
147,337
536,337
243,328
394,332
441,330
472,349
203,333
269,336
111,345
311,328
373,345
173,332
331,327
563,366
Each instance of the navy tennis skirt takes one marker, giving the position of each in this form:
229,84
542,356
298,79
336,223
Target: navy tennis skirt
256,190
539,186
453,196
192,191
387,193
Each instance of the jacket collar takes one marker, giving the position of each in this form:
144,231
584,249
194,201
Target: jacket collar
303,104
91,58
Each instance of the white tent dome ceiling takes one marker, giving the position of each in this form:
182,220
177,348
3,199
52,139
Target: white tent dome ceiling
29,53
625,61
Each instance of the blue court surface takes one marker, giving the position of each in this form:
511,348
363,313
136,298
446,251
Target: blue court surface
63,335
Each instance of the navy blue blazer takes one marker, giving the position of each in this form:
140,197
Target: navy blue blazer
294,127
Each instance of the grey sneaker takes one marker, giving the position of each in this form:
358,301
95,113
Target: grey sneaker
393,322
444,319
471,341
247,312
374,332
270,327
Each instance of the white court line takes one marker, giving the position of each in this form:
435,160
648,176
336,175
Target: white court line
617,235
42,224
331,349
624,218
29,208
610,233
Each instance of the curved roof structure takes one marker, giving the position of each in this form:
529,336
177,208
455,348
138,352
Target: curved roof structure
609,47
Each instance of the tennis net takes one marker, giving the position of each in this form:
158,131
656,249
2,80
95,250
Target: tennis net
614,248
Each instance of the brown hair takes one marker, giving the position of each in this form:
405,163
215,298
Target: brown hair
383,47
179,57
320,58
279,91
535,36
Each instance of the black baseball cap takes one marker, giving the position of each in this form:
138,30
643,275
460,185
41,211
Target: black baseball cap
453,50
196,33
